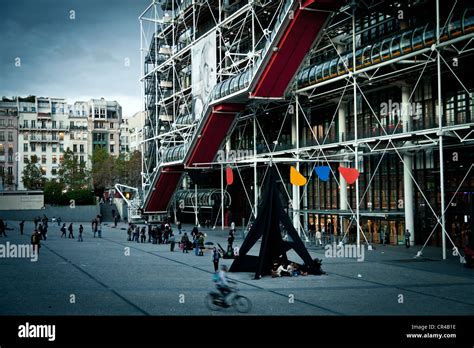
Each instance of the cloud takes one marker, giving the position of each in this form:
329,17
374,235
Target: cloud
68,58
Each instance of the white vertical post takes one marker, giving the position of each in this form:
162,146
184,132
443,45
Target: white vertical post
296,190
356,148
342,181
255,186
196,205
440,132
222,195
408,160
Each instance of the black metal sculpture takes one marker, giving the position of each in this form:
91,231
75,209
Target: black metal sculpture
269,224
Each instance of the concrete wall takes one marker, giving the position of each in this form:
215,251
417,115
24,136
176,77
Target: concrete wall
84,213
20,201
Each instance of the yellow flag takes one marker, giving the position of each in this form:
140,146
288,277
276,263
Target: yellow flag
296,178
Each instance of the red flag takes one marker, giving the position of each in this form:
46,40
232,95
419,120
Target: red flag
350,174
229,174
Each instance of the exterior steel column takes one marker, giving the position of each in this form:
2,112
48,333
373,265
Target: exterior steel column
295,199
440,132
407,169
342,182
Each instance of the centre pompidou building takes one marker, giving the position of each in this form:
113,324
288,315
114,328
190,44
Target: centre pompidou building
383,87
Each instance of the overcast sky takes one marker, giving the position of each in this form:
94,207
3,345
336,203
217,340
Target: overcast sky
77,59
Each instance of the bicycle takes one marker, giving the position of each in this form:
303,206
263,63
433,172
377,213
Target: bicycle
215,301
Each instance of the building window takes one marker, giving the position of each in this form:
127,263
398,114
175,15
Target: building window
54,148
111,125
43,170
25,123
2,149
25,147
61,159
33,124
10,123
81,148
71,136
10,171
33,147
111,148
61,136
10,136
53,171
111,137
82,159
33,108
54,159
25,109
61,147
74,148
10,158
43,147
53,125
43,159
54,136
25,158
2,136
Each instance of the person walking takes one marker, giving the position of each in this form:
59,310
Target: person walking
115,220
172,241
179,227
40,231
35,241
136,232
318,238
2,228
215,258
99,229
70,229
149,233
184,242
129,231
63,230
45,231
58,220
143,235
22,225
94,226
81,229
200,243
407,238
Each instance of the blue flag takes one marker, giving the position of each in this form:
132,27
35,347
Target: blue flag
322,172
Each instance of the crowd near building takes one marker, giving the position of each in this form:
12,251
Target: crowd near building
334,84
46,127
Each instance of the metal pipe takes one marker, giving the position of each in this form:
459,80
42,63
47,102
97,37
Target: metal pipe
440,133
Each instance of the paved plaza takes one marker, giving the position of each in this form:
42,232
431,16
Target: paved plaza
100,277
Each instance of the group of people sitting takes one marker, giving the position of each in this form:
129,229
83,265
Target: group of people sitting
292,269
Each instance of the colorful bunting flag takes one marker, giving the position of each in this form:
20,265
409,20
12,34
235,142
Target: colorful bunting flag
229,174
349,174
296,178
322,172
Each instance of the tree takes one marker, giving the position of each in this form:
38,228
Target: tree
134,166
72,173
32,175
102,170
128,170
53,192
